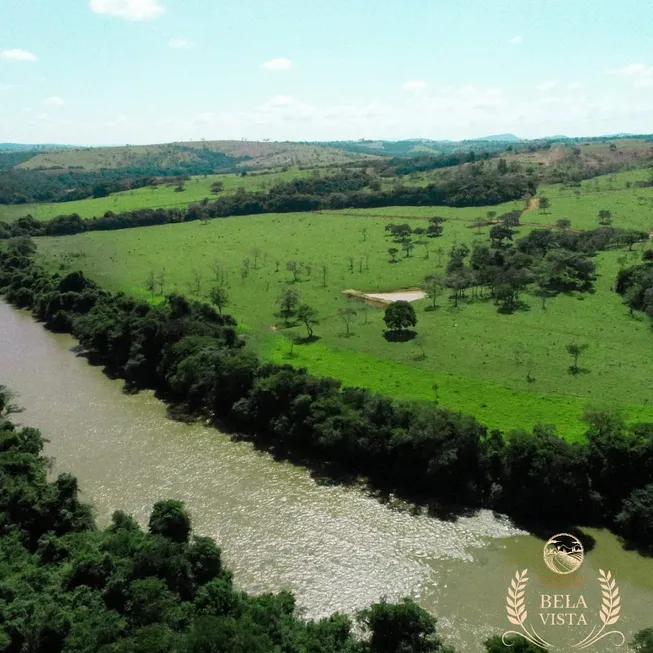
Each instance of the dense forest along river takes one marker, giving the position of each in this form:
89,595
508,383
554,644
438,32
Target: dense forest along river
334,547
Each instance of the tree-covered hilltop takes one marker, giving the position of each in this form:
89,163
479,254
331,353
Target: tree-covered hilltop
67,586
191,354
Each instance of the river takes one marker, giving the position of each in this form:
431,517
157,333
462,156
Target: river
335,547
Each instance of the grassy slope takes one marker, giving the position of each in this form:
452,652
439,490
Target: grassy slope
261,155
156,197
479,358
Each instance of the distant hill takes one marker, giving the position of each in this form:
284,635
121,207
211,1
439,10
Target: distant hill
500,138
203,156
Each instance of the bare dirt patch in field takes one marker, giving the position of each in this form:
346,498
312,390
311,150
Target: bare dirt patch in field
382,299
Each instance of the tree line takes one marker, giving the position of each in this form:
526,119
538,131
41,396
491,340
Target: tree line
193,357
471,186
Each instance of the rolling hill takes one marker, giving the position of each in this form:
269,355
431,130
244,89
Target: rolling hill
253,155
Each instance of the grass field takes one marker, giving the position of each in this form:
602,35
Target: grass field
479,358
154,197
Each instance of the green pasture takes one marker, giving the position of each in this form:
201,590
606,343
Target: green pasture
631,207
154,197
479,359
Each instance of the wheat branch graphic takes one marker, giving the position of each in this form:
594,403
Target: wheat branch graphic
517,613
609,614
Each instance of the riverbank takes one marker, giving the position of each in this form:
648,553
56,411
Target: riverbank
192,355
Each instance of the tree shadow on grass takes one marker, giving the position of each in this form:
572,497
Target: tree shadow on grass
307,340
402,335
575,371
514,307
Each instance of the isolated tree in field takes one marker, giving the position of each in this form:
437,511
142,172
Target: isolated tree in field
295,268
217,187
544,204
256,254
425,243
605,217
575,350
196,283
219,298
408,247
420,342
393,251
399,316
293,338
563,223
364,233
347,315
288,302
161,280
218,271
490,215
244,269
480,222
432,286
308,316
150,282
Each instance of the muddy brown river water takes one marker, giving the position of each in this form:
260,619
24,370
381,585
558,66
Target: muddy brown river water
335,547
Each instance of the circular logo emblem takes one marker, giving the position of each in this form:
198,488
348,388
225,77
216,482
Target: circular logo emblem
564,553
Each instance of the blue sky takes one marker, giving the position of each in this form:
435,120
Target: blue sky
146,71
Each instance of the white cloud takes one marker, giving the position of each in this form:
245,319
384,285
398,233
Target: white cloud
180,44
281,101
5,87
54,101
414,85
129,9
547,86
576,85
640,74
17,55
517,40
278,64
628,71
